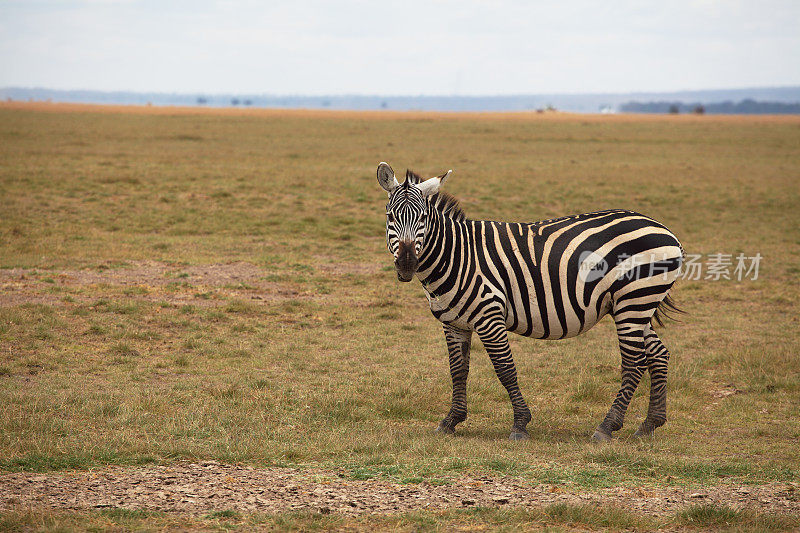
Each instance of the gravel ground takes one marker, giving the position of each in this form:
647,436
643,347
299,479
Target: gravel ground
196,488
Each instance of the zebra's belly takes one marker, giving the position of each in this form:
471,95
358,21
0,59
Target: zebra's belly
546,322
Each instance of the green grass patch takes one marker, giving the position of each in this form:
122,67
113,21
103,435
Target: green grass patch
712,516
241,306
35,462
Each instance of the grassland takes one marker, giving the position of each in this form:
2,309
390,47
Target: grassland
201,285
554,518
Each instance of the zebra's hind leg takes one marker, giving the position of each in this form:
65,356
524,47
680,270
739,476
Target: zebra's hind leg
495,339
631,345
458,342
657,360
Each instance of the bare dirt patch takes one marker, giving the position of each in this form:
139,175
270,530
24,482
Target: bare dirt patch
155,281
339,268
207,486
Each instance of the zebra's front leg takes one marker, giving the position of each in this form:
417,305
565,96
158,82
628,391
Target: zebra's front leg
458,343
495,340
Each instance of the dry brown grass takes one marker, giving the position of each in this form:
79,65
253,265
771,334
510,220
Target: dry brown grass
61,107
336,364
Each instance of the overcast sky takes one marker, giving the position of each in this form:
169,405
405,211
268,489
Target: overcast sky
466,47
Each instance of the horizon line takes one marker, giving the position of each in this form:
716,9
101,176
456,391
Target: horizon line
377,95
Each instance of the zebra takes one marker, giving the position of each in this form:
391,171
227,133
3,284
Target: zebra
551,279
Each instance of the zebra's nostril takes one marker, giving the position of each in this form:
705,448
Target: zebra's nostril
406,260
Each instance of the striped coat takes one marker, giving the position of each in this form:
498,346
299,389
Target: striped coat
550,279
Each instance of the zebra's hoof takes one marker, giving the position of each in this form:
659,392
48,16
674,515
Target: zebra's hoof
519,434
646,430
444,429
601,436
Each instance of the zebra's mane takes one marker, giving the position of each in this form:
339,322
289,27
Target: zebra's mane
445,203
448,205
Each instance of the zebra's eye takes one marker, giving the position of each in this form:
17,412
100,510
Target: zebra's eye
389,217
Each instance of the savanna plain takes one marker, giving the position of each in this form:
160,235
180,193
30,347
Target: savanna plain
206,295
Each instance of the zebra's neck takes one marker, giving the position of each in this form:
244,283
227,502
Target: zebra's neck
445,242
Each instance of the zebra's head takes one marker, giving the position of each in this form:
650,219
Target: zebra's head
407,216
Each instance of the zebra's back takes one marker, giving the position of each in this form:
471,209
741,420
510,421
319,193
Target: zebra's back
559,277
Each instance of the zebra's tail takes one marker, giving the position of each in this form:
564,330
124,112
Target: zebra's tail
667,310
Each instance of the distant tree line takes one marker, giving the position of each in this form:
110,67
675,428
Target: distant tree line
745,107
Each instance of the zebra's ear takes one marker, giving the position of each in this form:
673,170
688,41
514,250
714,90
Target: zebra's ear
386,177
431,186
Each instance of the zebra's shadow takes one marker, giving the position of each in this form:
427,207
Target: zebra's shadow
537,434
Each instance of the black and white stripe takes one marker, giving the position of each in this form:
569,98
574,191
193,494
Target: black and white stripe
551,279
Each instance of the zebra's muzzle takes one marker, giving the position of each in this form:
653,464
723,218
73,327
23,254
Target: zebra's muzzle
406,262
